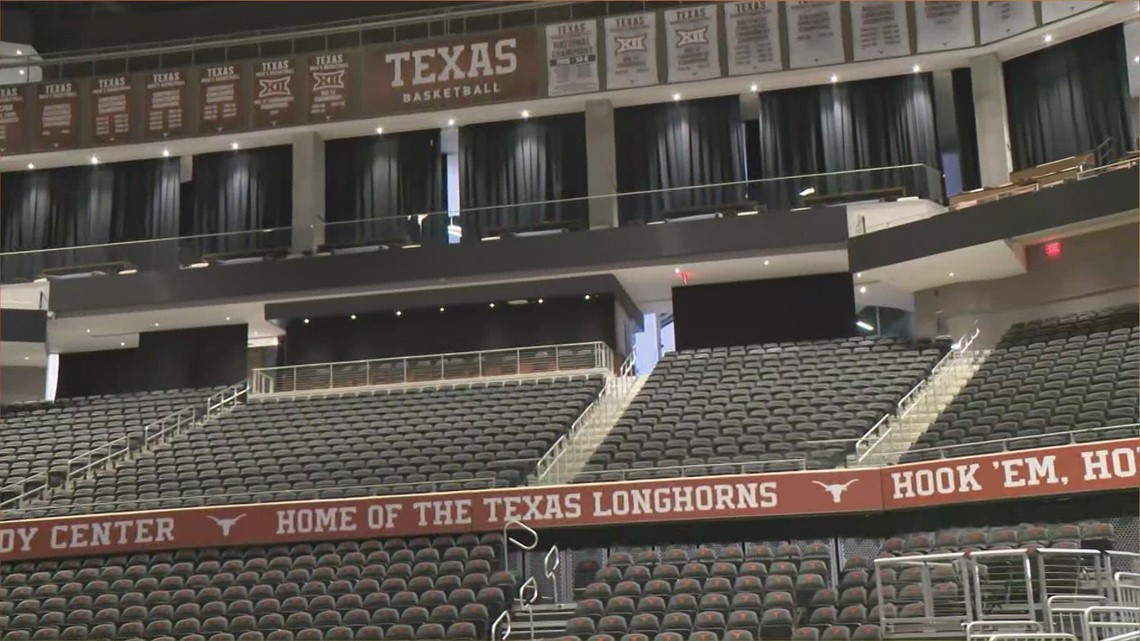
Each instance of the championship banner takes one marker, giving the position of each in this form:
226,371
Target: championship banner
752,33
274,93
1000,20
465,71
57,111
165,106
1089,467
631,51
1055,10
941,25
220,99
111,106
572,58
815,34
12,124
692,43
879,30
330,78
674,500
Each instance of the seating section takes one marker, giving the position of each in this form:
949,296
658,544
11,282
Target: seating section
1045,379
741,593
711,411
38,437
483,435
442,588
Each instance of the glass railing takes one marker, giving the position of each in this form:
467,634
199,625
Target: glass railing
481,224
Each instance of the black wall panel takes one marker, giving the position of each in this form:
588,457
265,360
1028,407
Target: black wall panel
458,329
764,311
183,358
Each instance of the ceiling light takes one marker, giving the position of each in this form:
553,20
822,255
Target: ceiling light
441,309
379,130
525,114
352,317
19,52
234,145
165,153
951,274
916,68
862,289
1048,38
1136,59
754,87
676,270
492,306
94,160
765,262
587,297
88,331
306,321
156,324
122,344
807,192
22,72
227,318
399,313
540,301
31,166
858,274
676,97
451,122
27,358
864,325
834,78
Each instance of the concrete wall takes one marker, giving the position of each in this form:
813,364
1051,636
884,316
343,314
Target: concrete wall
18,384
1095,270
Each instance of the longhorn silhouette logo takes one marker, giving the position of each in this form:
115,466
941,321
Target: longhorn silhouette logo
226,524
836,490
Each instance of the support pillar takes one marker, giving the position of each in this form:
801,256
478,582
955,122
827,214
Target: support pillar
992,120
308,192
601,164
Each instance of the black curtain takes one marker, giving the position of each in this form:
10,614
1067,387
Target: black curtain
241,191
89,205
505,165
1068,98
967,126
677,145
393,177
867,124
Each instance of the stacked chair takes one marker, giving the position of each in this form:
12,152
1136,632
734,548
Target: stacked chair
759,408
422,589
1045,379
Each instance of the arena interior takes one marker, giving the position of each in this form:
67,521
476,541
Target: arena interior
584,321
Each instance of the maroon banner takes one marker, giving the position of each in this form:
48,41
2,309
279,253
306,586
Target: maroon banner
1088,467
465,71
13,139
727,497
57,111
111,105
331,77
165,110
220,99
274,93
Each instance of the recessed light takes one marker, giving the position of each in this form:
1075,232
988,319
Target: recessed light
19,52
765,262
379,130
88,331
352,317
451,122
22,72
1136,59
916,68
676,97
1048,38
234,145
862,289
492,306
165,153
156,324
442,309
399,313
94,160
858,274
227,318
754,87
31,166
525,114
122,344
834,78
676,270
540,301
951,274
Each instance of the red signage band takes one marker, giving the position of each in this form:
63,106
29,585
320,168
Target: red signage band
783,494
1101,466
1068,469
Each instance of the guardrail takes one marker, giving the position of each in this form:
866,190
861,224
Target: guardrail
430,369
707,469
1018,443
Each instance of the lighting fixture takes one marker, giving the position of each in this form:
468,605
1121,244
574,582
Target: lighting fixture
865,326
94,160
31,166
1048,38
676,97
540,301
27,358
862,289
165,153
379,130
156,324
525,114
765,262
451,122
399,313
19,52
951,274
492,306
834,78
916,68
858,274
234,145
441,309
227,319
88,331
587,297
1136,59
128,272
352,317
122,344
807,192
754,87
22,72
676,270
306,321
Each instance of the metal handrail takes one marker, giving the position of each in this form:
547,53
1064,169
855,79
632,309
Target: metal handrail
147,241
795,465
509,540
1005,442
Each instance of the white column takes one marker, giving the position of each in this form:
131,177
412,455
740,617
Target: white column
449,147
992,120
308,191
601,163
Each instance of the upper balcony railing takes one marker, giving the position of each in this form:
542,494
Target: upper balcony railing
480,224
